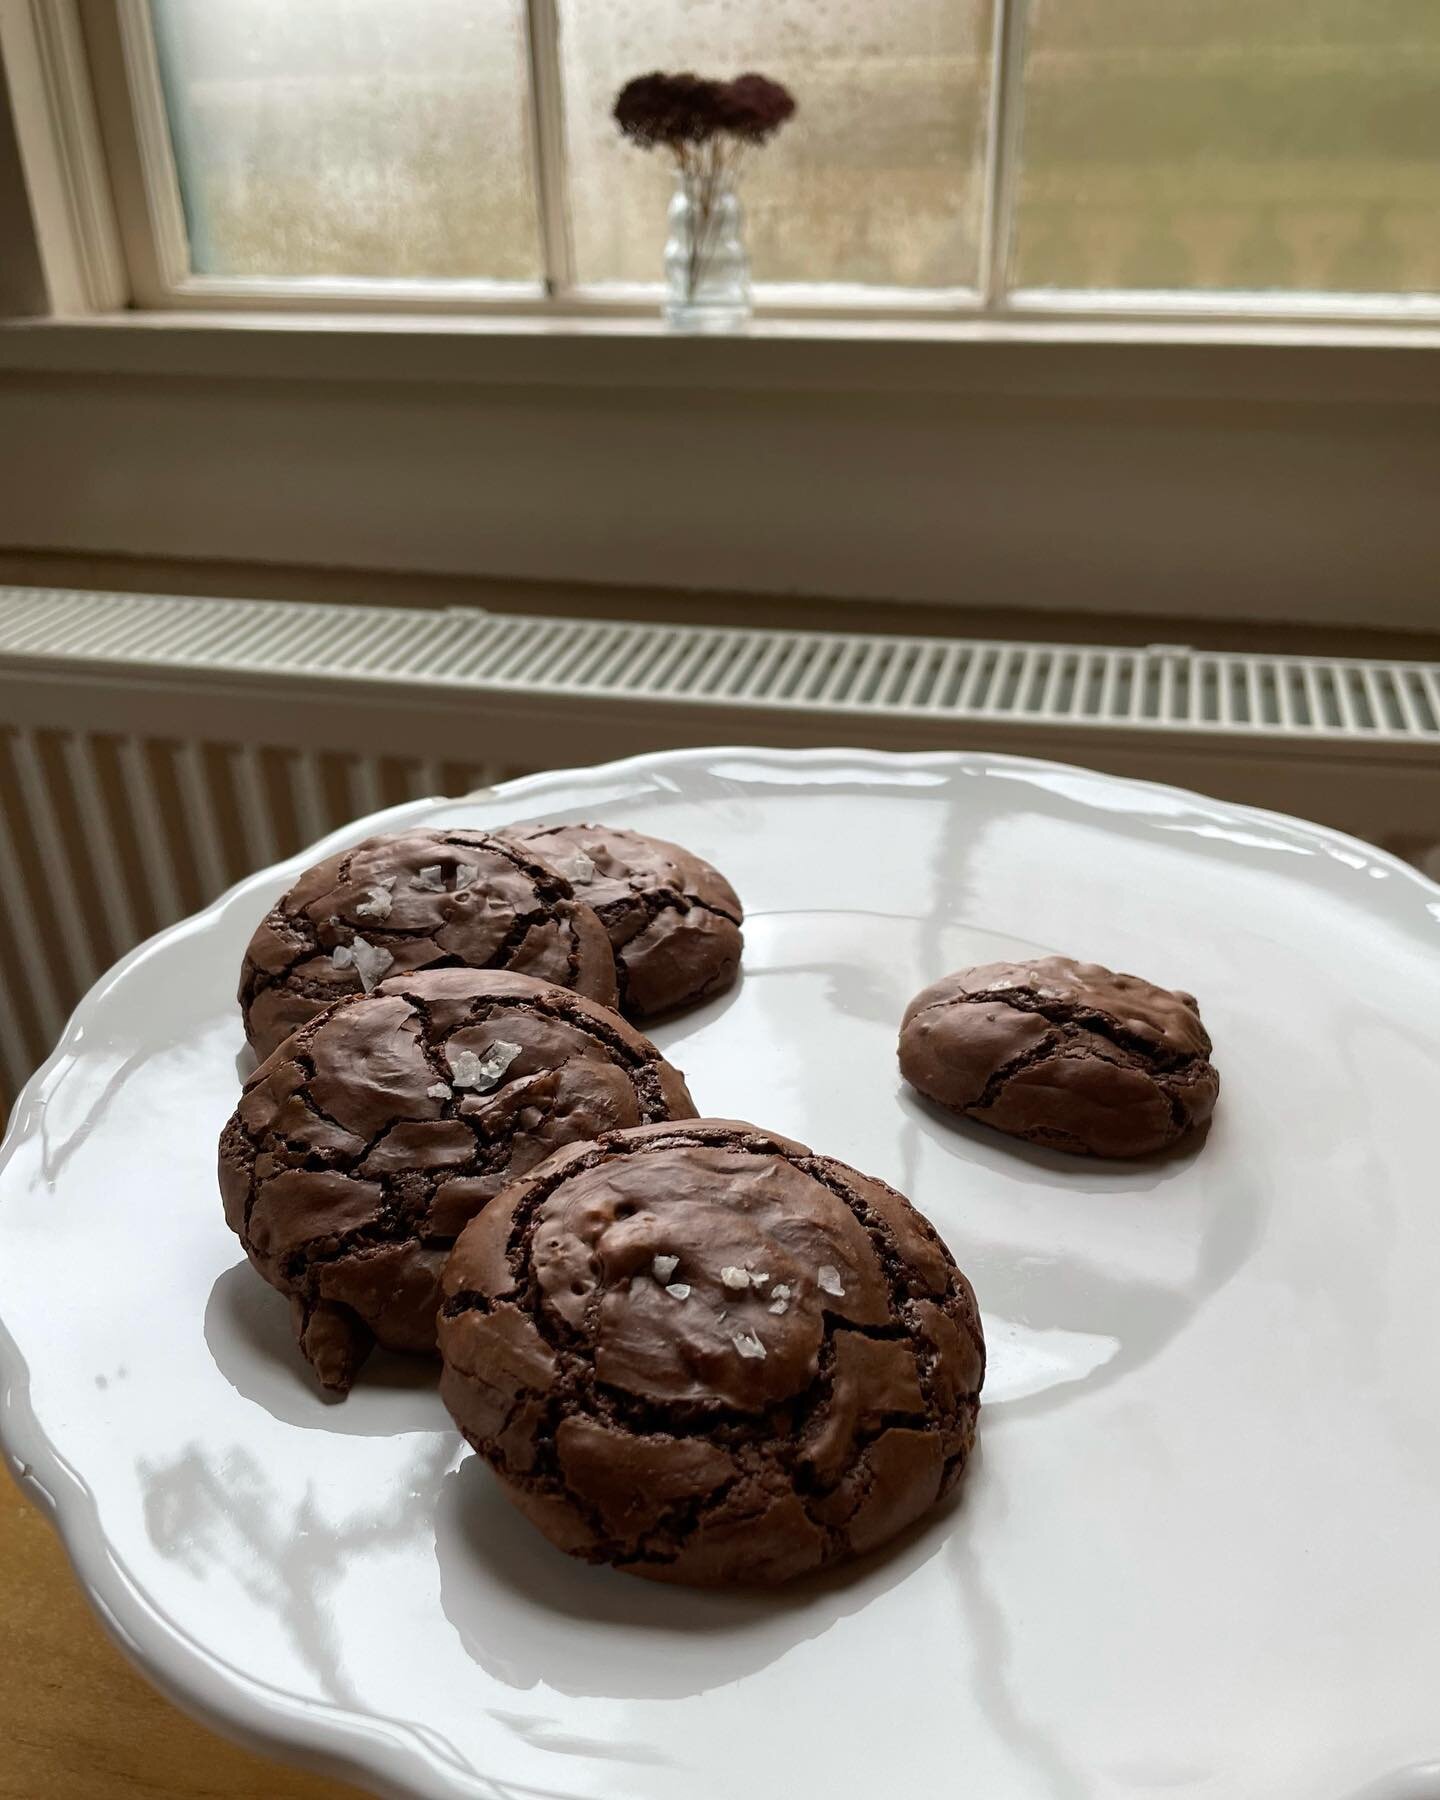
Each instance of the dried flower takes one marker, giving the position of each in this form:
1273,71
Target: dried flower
681,109
709,128
669,109
754,108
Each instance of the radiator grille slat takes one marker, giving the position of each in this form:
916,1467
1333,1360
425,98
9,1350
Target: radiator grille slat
261,844
156,856
362,780
307,793
44,994
97,827
60,886
203,824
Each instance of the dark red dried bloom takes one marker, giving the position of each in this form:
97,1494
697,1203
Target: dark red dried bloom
754,108
669,109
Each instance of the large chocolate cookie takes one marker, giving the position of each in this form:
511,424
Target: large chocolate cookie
704,1354
1063,1053
375,1133
417,900
674,922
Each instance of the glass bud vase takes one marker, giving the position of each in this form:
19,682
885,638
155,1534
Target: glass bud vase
707,272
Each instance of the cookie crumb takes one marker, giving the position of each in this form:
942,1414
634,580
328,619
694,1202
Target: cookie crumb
828,1277
747,1344
664,1267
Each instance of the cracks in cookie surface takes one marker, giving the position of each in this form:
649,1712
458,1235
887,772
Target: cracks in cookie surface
1163,1084
766,1444
406,1193
552,901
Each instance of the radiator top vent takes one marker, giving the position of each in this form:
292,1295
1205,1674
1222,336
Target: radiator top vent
841,674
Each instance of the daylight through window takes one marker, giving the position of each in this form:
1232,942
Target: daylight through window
1088,147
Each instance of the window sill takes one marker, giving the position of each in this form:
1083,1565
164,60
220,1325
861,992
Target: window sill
1040,359
1202,470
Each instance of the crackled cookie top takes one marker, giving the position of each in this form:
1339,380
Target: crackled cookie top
363,1146
674,921
417,900
1063,1053
704,1354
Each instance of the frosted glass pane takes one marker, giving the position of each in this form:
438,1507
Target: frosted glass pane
351,137
1253,144
878,179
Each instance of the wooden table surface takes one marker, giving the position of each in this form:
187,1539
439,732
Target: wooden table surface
76,1721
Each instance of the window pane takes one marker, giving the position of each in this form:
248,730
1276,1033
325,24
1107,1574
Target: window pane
879,177
351,137
1231,144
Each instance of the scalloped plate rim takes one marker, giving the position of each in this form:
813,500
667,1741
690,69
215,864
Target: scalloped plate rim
382,1754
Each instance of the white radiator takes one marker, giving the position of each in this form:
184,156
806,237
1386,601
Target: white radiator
153,750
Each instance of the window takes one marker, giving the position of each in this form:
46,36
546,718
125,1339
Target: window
1280,145
351,137
949,156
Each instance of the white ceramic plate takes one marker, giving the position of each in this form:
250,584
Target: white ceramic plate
1200,1549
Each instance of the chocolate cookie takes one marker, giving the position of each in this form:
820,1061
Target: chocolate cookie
674,922
417,900
704,1354
1063,1053
373,1135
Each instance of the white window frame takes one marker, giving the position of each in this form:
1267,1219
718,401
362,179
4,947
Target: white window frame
96,60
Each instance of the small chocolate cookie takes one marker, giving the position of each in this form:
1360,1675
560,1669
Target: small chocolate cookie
706,1355
373,1135
417,900
1063,1053
674,922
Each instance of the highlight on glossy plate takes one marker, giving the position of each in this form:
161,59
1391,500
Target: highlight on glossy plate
1192,1546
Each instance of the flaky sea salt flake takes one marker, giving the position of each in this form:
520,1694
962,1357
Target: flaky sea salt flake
483,1072
779,1298
678,1290
748,1345
465,874
342,957
664,1267
375,905
757,1280
578,869
371,962
828,1276
439,1090
430,879
738,1279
